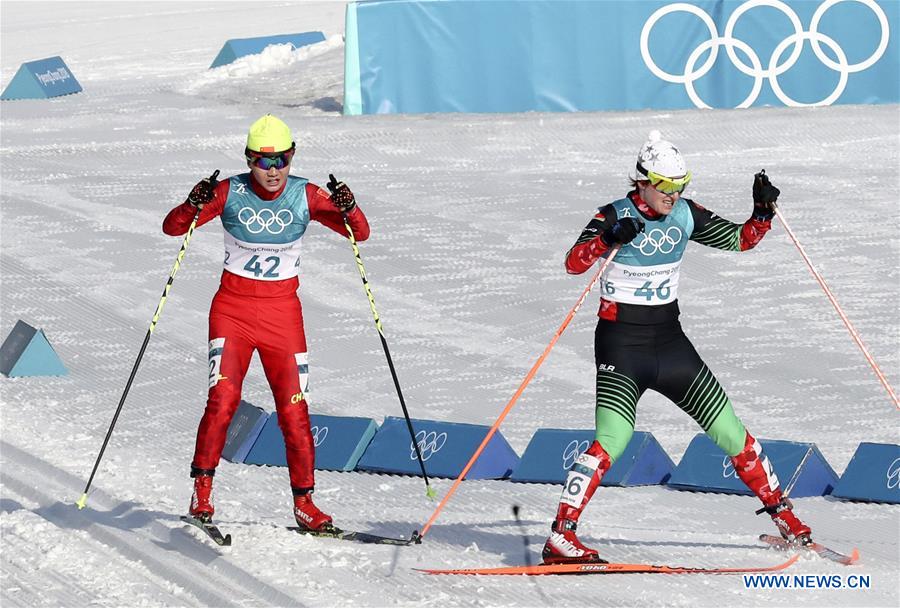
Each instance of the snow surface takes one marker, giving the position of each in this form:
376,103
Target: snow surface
471,217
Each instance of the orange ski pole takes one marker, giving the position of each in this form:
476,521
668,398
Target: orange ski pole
853,333
519,391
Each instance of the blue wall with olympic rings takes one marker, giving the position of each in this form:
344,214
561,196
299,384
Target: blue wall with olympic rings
406,56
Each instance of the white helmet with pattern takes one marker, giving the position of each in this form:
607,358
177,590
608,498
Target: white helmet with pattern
661,158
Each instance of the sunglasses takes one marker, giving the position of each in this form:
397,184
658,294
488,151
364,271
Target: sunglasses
668,185
268,161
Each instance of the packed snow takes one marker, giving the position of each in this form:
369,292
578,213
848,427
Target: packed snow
471,216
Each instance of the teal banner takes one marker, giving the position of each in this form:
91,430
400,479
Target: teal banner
236,48
405,56
41,79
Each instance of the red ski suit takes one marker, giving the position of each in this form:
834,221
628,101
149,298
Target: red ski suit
254,310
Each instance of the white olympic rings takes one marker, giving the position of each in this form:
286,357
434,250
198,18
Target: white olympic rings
319,434
658,241
728,468
429,444
573,451
893,474
264,219
755,70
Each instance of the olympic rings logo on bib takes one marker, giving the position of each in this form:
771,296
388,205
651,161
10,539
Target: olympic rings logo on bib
657,241
756,71
265,220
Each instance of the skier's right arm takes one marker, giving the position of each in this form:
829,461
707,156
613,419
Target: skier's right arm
179,219
601,233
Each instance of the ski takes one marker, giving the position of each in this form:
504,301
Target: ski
360,537
210,529
611,568
821,550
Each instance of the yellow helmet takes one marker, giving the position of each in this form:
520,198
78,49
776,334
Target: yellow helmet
269,135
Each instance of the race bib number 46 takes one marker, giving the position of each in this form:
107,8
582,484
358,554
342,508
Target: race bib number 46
578,480
644,285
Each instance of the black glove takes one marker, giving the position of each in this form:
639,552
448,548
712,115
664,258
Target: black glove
623,231
341,196
202,193
764,197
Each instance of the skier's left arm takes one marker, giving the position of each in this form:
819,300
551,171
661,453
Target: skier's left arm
715,231
329,210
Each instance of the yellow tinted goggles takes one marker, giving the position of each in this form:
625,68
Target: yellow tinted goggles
669,185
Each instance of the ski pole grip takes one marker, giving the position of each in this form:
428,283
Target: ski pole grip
213,181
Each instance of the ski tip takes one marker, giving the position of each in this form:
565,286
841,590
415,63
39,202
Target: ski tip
433,571
227,541
415,538
82,502
854,556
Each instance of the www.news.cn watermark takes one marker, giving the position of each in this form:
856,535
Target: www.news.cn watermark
807,581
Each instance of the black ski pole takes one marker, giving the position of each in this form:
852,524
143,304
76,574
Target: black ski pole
547,602
333,186
515,510
162,302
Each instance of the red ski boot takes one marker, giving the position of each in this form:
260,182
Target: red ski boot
201,501
755,470
563,547
308,515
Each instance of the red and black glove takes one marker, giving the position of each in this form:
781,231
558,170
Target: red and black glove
764,197
203,192
341,196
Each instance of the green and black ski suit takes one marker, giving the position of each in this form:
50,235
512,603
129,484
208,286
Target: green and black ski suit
639,343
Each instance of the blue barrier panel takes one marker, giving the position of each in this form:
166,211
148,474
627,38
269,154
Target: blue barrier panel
238,47
873,474
41,79
551,452
409,56
340,442
244,430
446,447
27,352
706,468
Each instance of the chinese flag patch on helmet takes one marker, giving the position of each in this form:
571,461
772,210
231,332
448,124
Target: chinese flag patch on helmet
269,135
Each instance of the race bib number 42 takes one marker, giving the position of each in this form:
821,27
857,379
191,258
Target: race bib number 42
269,262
